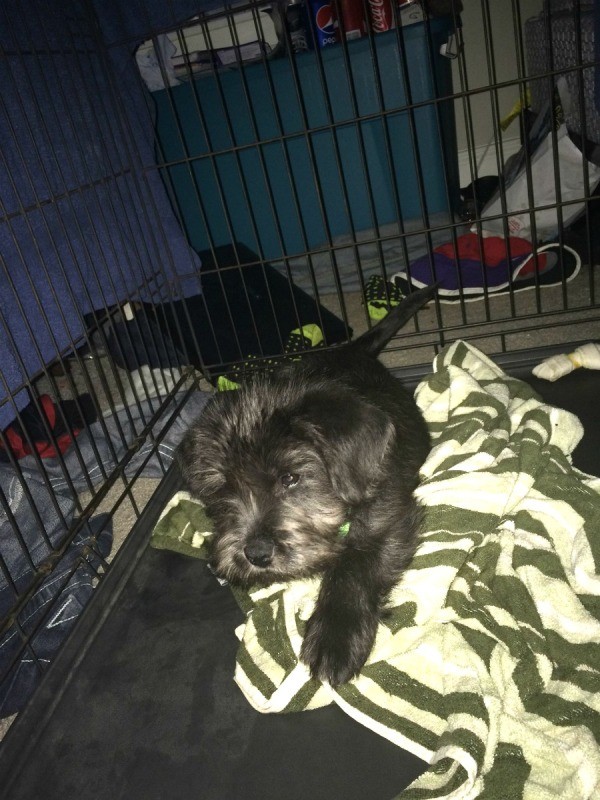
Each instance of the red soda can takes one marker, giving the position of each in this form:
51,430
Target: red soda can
352,23
381,15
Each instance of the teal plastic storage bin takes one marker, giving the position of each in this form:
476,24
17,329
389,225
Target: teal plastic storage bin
284,157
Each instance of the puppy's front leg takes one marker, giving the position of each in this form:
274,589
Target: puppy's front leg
341,631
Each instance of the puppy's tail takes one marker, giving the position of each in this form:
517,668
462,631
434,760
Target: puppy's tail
375,340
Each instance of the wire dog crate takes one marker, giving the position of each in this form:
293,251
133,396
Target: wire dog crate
187,192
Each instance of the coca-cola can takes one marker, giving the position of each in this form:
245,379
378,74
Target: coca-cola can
381,15
352,18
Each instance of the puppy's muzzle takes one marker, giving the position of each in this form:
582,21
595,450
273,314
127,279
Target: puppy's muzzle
259,552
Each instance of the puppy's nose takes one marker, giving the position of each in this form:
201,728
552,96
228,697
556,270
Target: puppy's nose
259,552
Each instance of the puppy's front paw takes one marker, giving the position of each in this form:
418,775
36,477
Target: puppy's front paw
337,643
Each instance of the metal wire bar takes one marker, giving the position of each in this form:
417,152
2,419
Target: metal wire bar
157,311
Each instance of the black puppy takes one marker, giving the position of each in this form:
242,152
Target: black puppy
312,471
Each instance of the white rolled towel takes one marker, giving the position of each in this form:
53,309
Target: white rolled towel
587,356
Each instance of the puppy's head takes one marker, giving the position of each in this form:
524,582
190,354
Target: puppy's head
280,470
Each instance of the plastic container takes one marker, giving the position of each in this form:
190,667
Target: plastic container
281,189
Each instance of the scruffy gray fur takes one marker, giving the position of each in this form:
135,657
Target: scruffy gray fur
286,460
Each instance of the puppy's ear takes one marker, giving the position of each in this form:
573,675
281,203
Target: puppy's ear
200,454
352,437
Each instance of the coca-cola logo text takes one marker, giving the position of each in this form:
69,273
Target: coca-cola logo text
381,14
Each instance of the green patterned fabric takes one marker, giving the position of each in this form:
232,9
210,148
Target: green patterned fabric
381,296
487,665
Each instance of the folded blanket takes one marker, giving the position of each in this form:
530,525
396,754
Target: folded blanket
350,258
488,663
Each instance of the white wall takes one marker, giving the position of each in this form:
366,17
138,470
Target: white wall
492,54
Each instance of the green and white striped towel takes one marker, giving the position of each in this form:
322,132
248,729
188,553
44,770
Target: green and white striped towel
487,665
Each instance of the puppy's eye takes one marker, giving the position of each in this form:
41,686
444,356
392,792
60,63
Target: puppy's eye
289,479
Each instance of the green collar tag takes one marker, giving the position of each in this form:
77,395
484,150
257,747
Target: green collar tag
343,530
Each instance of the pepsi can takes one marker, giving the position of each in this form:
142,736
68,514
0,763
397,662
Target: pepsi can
324,21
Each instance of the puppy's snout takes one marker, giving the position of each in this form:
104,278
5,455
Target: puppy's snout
259,552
